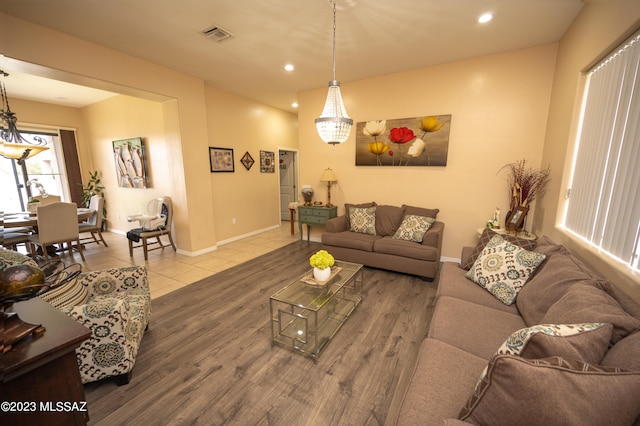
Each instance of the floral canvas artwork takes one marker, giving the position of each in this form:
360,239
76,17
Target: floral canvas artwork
417,141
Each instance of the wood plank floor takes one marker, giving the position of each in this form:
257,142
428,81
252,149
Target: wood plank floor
207,356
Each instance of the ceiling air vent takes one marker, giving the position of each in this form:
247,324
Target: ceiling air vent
218,34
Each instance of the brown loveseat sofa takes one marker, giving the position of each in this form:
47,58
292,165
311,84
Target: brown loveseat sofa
586,377
383,248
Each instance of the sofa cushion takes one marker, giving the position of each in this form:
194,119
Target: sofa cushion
486,236
362,220
403,248
420,211
503,268
560,271
388,219
553,390
413,228
348,239
625,353
443,379
471,327
587,342
585,303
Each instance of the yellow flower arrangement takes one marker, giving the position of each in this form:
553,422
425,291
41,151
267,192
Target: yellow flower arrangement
321,260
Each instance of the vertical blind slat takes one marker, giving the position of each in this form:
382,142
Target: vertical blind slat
604,206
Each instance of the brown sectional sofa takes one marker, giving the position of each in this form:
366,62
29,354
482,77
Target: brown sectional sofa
592,378
382,250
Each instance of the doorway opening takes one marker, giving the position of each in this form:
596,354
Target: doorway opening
288,165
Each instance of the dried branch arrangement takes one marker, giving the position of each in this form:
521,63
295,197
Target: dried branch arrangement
525,184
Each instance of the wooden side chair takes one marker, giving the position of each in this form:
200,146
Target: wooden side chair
158,229
57,223
93,225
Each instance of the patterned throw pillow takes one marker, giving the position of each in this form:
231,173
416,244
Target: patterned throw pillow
503,268
71,293
413,228
486,236
11,258
363,220
587,342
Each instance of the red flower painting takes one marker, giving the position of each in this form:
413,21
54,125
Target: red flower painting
401,135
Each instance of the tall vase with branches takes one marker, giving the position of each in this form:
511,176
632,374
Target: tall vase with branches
525,184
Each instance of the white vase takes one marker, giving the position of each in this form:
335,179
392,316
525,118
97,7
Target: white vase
321,275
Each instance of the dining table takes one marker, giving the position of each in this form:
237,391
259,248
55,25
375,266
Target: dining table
30,220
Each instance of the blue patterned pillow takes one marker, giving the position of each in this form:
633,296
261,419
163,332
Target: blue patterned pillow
503,268
363,220
413,228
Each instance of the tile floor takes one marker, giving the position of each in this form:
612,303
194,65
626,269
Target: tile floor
169,270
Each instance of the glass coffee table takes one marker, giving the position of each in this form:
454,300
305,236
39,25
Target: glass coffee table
305,315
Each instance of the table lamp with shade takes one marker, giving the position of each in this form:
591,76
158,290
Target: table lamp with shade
328,176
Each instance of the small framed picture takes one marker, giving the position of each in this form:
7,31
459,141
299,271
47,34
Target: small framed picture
267,162
247,160
516,218
221,159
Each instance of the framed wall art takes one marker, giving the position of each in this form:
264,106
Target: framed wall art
130,162
221,159
267,162
247,160
415,141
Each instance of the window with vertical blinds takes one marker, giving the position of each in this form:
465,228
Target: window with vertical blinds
604,197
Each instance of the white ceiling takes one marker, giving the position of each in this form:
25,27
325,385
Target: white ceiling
373,38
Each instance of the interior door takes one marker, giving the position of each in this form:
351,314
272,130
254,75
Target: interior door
288,181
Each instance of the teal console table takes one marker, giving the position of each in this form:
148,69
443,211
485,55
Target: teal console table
314,215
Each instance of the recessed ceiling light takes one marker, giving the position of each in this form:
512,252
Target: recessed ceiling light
485,17
289,67
294,104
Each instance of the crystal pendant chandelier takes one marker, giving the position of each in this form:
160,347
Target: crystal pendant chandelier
13,144
334,124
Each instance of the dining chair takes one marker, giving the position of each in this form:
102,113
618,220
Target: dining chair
10,240
145,232
93,225
57,223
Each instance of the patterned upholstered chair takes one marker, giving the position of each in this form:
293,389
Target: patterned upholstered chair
114,303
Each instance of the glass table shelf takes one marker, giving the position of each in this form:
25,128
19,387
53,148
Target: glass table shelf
305,317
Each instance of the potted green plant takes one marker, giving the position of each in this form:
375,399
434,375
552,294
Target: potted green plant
321,261
93,187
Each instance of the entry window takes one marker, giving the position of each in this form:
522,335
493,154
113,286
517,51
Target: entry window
44,171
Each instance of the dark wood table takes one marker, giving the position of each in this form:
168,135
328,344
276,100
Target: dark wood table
40,382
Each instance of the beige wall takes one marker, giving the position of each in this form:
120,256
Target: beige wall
499,107
75,60
178,116
251,197
596,31
124,117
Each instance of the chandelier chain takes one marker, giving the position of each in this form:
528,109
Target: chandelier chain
334,38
